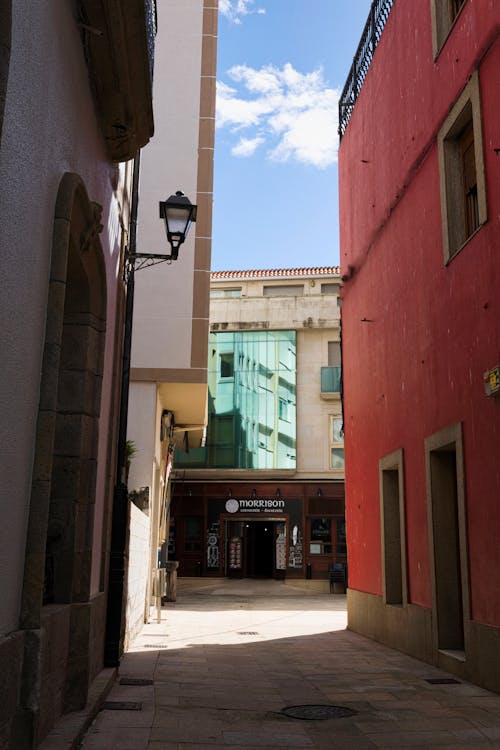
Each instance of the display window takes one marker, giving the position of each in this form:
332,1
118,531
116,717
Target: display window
321,536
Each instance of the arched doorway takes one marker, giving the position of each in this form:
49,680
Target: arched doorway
56,593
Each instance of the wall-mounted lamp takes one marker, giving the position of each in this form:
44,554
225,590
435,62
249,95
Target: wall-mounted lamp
278,493
177,212
254,494
319,492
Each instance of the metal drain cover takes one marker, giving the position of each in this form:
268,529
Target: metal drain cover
317,712
442,681
247,632
155,645
135,681
121,706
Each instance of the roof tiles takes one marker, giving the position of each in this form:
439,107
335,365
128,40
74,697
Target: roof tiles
284,273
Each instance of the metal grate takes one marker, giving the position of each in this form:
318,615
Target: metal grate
247,632
379,12
317,712
135,681
121,706
442,681
155,645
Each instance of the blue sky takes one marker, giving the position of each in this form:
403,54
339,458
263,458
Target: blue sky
280,69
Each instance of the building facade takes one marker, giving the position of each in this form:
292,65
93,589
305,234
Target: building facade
168,377
264,495
72,115
420,212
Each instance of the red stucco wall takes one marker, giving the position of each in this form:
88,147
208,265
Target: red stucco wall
418,335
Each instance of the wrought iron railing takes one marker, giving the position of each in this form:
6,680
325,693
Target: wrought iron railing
379,12
151,28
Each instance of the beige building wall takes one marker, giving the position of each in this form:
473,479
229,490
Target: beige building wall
314,313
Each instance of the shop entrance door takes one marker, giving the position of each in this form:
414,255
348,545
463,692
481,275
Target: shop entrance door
259,549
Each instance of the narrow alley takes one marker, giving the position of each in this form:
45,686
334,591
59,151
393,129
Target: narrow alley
230,656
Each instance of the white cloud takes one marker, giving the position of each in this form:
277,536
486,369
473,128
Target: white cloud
235,9
247,146
294,113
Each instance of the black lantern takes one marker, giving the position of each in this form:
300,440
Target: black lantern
177,212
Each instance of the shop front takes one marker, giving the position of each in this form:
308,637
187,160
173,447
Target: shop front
297,531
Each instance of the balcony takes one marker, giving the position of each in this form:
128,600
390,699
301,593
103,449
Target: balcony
331,383
118,41
379,13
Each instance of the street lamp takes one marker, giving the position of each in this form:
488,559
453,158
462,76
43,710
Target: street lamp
178,213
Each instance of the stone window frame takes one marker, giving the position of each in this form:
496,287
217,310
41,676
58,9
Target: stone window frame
394,560
466,111
443,21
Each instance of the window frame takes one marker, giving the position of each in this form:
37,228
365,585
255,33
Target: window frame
334,444
443,21
467,109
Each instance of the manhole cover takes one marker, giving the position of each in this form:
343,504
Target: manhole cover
442,681
317,712
135,681
121,706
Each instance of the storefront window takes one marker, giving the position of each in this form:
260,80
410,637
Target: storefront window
341,538
321,536
192,534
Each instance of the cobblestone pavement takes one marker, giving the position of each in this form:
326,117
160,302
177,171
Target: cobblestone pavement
229,656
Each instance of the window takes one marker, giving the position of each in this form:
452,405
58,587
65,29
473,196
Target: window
444,15
227,365
218,293
329,288
192,533
289,290
333,354
321,536
336,444
461,164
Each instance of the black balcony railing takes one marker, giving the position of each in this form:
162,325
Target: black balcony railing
379,12
151,28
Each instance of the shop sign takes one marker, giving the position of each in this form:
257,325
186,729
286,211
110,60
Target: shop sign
254,505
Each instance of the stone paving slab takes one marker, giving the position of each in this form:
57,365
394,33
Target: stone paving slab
227,657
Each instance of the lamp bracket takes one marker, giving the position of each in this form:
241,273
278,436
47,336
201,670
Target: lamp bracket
136,261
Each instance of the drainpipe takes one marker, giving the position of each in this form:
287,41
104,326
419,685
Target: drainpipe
115,614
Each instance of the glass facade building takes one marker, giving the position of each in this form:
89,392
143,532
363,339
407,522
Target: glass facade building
252,403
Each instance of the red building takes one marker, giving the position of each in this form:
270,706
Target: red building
419,166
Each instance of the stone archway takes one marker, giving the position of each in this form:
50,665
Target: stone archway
56,592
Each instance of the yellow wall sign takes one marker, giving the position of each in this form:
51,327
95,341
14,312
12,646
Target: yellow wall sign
492,381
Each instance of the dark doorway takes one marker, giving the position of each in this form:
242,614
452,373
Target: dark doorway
259,544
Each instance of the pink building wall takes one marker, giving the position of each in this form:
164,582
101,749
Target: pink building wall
417,334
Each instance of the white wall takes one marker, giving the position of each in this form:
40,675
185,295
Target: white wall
49,128
141,419
164,294
137,573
